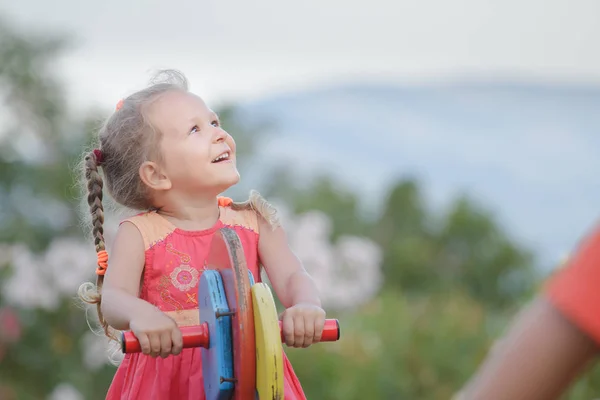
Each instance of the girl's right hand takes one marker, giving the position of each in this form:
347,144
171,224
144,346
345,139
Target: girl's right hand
157,333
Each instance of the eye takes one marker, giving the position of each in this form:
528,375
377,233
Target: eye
215,123
195,129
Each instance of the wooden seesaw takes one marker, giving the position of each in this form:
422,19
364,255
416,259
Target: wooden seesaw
239,335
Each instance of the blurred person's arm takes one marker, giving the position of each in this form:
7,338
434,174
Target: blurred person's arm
552,340
537,360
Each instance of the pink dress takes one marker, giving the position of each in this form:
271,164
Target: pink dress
174,261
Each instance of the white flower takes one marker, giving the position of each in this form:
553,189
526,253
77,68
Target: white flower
40,281
69,263
65,391
359,271
95,349
28,286
347,273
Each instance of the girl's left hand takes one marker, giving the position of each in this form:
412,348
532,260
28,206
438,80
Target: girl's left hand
303,324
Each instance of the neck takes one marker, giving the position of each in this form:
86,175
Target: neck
202,213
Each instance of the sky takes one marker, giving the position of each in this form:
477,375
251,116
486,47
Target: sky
239,50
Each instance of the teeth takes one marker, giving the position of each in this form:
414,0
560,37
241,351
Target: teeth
223,156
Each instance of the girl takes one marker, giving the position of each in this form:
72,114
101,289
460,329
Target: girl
554,338
164,152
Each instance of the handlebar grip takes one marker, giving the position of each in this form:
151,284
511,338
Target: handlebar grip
198,336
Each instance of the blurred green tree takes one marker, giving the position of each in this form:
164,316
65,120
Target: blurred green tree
32,137
39,143
465,247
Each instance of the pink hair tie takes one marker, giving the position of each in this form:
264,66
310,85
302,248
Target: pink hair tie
119,104
99,156
224,201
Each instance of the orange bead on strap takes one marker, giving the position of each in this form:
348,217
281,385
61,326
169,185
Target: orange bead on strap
224,201
102,262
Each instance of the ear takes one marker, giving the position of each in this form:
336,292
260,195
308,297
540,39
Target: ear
153,177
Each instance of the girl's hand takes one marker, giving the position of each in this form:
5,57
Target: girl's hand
303,324
157,333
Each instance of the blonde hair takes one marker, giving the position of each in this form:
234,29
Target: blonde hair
126,140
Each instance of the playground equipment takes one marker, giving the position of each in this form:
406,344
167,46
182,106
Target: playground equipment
239,334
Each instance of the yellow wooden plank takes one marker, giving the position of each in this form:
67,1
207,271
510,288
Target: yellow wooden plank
269,350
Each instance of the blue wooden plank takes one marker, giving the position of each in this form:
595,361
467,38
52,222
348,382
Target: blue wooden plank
217,360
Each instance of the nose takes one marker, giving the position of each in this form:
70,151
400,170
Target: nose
220,135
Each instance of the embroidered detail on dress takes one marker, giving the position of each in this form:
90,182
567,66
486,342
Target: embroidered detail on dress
163,283
185,259
165,295
241,226
192,298
158,241
184,277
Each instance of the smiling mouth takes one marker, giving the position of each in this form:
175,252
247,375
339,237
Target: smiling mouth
221,158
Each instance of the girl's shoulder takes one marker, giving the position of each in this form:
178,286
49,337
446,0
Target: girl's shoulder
247,216
240,218
151,226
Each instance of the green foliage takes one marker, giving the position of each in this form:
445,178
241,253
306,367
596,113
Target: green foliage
465,247
50,352
398,347
33,98
477,253
408,244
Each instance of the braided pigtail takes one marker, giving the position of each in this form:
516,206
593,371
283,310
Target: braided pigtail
262,207
89,292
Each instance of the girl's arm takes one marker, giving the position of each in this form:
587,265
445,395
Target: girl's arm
292,284
537,360
123,309
120,301
303,319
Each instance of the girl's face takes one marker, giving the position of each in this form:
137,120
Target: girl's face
198,155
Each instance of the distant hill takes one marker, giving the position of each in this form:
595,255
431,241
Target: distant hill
528,152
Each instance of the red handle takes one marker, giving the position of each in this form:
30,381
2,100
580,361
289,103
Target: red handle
331,331
197,336
193,336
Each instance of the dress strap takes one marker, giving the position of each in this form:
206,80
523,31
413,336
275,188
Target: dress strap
152,227
244,218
